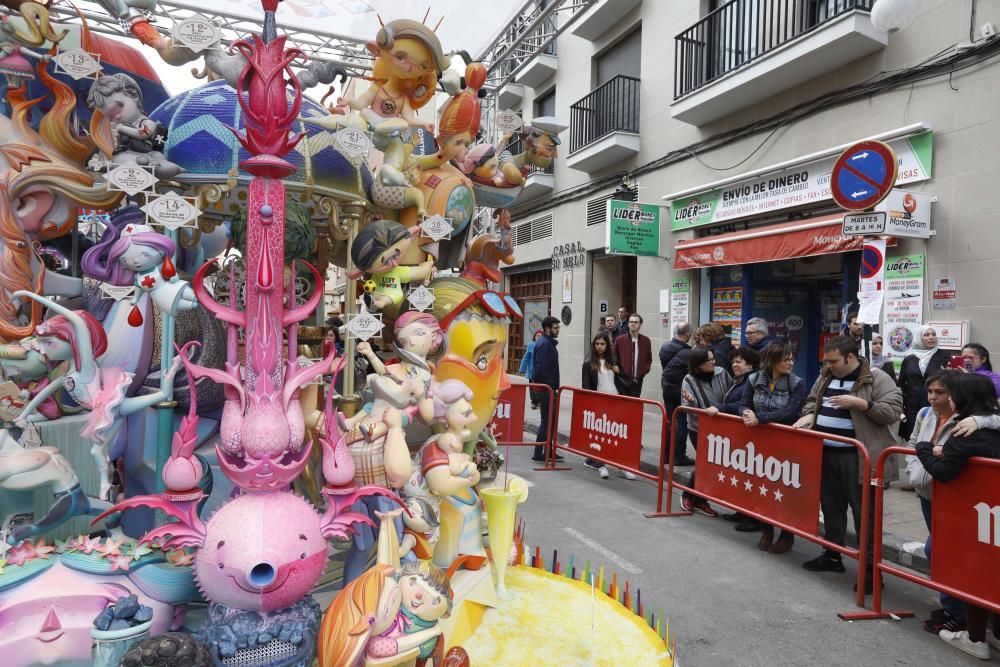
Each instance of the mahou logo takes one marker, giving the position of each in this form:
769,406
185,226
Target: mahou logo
748,461
603,425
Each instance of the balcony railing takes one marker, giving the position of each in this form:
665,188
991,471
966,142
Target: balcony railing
613,107
740,31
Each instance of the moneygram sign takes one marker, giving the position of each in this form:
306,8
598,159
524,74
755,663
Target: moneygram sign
800,185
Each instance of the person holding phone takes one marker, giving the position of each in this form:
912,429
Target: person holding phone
976,359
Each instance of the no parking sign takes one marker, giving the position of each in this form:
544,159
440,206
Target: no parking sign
872,281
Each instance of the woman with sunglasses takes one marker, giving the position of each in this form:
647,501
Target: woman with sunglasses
705,385
776,397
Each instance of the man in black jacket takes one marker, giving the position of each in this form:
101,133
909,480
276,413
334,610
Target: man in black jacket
674,355
546,371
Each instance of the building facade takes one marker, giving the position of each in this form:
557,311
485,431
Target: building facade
729,115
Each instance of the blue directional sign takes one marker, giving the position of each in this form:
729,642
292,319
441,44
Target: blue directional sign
863,175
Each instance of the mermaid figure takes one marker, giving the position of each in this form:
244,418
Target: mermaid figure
77,337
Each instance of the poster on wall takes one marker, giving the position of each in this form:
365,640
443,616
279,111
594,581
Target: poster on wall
680,300
904,304
567,287
727,310
534,313
806,183
785,307
945,294
632,228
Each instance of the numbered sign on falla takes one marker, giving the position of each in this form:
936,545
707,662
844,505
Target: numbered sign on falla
172,211
421,298
507,121
437,227
197,33
78,63
130,178
364,325
118,292
353,142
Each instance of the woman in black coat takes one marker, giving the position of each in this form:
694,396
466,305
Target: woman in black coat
924,360
972,395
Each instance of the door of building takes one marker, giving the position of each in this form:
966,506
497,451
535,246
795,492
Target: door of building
533,292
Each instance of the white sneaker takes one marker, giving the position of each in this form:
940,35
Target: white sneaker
628,475
603,470
961,641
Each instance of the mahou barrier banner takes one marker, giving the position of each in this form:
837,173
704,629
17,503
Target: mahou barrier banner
965,523
508,419
607,426
773,472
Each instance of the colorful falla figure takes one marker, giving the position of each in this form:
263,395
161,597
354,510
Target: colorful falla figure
124,130
378,251
426,598
541,145
77,337
475,321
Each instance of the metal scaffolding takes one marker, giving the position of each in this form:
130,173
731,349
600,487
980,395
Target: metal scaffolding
318,44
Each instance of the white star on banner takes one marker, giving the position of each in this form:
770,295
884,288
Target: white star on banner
748,485
778,495
733,480
722,477
763,490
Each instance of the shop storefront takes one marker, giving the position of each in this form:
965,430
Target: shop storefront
770,245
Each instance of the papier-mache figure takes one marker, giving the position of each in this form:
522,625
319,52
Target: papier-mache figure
377,251
426,598
459,123
14,42
541,145
78,337
22,364
135,254
421,529
482,165
362,626
125,131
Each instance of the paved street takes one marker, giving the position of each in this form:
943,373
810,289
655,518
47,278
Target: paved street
729,603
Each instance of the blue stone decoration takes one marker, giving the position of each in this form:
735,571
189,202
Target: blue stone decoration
199,141
285,638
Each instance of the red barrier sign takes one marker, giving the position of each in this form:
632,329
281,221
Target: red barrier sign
775,474
607,426
508,419
965,523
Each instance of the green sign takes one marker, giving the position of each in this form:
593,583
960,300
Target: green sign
798,185
632,229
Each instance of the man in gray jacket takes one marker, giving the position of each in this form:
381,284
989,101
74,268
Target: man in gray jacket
852,400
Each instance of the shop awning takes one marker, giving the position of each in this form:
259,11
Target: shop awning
804,238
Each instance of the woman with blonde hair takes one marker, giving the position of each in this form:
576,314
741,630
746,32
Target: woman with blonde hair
362,625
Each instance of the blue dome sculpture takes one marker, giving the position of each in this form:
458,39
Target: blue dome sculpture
199,141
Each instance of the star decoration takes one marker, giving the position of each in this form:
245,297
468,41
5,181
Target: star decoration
748,486
43,550
21,554
140,550
763,490
62,546
88,545
778,495
180,558
722,477
119,561
733,480
111,547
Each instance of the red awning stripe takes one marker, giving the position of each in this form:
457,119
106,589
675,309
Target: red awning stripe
805,238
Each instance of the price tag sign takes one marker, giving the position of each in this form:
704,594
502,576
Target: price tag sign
130,178
172,211
197,33
437,227
354,142
78,63
507,121
364,325
421,298
118,292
